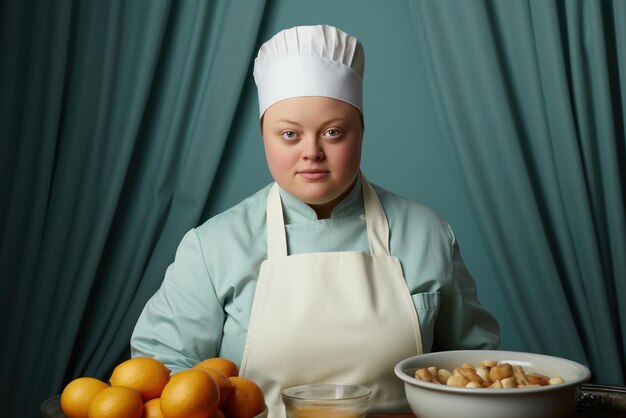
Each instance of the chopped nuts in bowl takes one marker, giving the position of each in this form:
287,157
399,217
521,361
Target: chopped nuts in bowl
491,384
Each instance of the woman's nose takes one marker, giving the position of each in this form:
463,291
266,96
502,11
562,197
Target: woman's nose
312,150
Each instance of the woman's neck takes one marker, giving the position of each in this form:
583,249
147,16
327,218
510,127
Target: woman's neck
324,210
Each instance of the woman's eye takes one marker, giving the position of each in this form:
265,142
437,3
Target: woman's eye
332,133
288,135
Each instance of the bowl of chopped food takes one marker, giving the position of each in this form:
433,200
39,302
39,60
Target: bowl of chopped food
491,384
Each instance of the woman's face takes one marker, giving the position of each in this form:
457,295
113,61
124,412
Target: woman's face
313,149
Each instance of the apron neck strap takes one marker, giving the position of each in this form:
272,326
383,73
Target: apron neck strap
276,233
375,219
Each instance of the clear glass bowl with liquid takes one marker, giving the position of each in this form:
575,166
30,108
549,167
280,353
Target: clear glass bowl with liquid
327,400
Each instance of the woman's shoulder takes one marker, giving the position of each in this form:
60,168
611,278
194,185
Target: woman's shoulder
397,203
247,215
410,214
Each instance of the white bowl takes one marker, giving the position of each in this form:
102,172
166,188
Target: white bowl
431,400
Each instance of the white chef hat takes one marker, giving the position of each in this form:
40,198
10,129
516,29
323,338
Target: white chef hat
310,61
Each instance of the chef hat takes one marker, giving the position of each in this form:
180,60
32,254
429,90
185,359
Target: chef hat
310,61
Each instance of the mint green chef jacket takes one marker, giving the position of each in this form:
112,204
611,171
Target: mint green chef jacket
203,306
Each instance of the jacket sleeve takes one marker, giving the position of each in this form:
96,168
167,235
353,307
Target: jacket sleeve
462,322
182,323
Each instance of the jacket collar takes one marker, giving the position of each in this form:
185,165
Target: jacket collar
296,211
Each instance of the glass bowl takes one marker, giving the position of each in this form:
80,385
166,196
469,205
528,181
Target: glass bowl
326,399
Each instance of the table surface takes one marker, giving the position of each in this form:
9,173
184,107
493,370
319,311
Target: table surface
594,401
577,414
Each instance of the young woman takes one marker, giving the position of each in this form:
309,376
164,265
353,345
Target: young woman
320,276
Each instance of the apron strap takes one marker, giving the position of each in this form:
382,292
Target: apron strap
375,219
276,233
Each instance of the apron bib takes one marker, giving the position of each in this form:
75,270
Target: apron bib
332,317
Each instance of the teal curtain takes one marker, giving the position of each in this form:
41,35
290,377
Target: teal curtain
113,121
531,96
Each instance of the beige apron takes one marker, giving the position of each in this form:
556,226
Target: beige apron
334,317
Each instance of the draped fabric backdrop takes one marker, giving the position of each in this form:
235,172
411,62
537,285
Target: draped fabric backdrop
539,136
114,118
125,123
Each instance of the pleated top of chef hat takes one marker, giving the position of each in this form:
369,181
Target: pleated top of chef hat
310,61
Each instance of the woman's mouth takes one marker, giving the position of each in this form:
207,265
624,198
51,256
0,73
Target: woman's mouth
313,174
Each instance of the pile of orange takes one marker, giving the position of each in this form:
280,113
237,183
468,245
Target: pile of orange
143,388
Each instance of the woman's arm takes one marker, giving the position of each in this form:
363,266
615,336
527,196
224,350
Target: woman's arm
462,322
182,323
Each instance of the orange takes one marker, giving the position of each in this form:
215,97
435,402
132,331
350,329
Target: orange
152,409
245,400
190,393
116,402
77,395
146,375
221,364
223,383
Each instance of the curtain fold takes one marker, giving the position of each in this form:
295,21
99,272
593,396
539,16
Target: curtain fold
116,117
531,100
